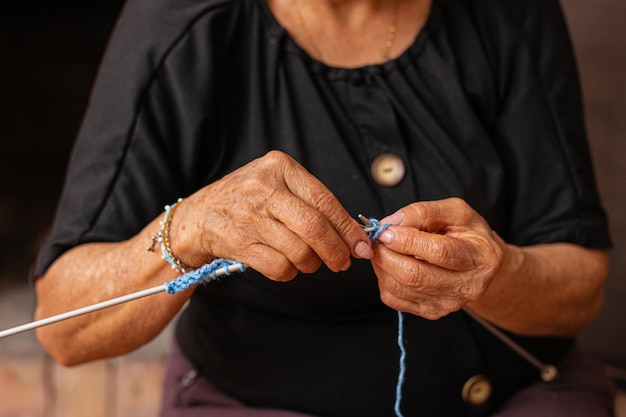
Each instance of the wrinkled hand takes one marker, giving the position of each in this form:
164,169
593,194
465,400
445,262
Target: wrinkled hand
437,257
272,215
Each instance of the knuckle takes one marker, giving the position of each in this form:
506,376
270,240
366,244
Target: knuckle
439,253
431,314
325,201
389,299
252,183
277,157
458,203
437,309
312,224
413,278
308,267
389,288
420,210
281,271
239,210
305,260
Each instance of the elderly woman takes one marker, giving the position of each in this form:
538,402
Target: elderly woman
458,121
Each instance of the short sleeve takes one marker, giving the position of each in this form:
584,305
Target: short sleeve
541,131
145,138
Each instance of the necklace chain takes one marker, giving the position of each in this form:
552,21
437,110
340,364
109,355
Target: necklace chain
391,37
389,41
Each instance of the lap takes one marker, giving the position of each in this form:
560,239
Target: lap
581,390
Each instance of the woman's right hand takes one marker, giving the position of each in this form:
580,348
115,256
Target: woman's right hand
273,216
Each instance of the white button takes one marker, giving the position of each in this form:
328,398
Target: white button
476,390
388,169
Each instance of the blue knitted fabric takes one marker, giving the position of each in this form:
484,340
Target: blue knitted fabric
207,273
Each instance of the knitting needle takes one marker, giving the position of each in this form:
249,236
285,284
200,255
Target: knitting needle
367,224
548,371
104,304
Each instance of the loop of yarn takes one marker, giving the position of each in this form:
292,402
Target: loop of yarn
377,228
206,273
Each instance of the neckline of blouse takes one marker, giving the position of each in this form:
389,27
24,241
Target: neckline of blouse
319,67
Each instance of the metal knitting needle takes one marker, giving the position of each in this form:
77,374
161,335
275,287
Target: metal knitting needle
548,371
367,224
102,305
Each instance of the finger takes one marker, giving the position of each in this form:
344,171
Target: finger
244,246
436,216
252,237
291,246
269,262
313,229
446,251
425,305
408,276
312,191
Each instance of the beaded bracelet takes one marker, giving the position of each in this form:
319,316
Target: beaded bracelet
163,238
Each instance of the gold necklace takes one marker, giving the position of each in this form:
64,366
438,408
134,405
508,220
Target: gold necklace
391,34
315,52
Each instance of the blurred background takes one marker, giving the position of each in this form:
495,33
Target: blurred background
49,53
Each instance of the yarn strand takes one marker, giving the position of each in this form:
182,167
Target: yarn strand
402,365
375,229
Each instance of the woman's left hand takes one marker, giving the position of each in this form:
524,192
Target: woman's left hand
436,257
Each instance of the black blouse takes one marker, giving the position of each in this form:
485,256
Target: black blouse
484,105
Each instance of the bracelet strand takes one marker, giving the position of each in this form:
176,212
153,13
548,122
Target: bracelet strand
163,238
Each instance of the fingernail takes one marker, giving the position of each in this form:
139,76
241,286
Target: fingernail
346,266
363,251
395,218
385,237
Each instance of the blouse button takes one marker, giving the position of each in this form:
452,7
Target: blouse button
476,390
388,169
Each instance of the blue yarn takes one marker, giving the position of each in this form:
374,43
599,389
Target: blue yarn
402,361
206,273
374,234
378,229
